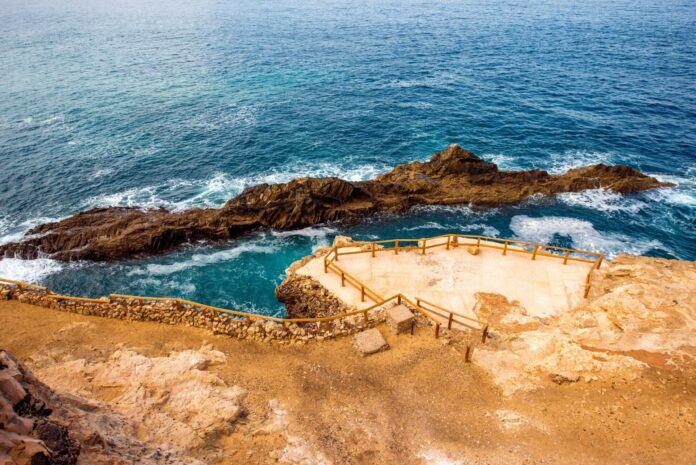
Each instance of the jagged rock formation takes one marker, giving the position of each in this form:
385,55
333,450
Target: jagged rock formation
41,427
167,410
29,435
453,176
304,297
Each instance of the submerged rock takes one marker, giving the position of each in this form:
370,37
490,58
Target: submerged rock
453,176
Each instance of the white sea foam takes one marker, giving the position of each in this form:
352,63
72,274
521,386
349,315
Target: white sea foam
582,234
487,230
182,288
215,191
463,210
504,162
683,194
10,232
31,271
318,234
602,199
201,259
102,172
561,162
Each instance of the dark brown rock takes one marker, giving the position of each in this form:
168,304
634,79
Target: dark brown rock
453,176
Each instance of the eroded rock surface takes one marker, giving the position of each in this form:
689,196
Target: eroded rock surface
641,312
453,176
174,400
41,427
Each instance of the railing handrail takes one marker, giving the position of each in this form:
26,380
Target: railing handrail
329,264
358,244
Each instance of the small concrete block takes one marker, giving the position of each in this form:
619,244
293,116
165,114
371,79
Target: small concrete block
473,250
370,342
399,319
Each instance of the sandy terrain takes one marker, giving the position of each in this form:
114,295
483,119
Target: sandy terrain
417,403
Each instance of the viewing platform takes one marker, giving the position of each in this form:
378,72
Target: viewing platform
443,274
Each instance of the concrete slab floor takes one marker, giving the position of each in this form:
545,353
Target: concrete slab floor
450,278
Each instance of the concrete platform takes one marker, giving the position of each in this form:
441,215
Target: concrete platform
450,278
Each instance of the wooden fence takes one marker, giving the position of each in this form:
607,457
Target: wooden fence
449,241
429,310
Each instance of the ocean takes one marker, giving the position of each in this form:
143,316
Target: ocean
182,104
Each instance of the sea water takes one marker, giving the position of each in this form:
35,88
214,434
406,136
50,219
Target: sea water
181,104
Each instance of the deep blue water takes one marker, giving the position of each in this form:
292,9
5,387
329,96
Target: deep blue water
183,103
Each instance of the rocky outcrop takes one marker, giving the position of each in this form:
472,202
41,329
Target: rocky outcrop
39,426
305,297
29,434
640,312
453,176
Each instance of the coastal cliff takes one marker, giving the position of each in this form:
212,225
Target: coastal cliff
453,176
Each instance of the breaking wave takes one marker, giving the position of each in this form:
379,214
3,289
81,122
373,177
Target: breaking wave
582,234
30,271
603,200
560,162
180,194
201,260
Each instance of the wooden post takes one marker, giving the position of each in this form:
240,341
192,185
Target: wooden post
396,247
424,246
336,252
437,330
373,249
449,322
343,279
398,299
362,293
326,266
536,248
484,334
448,241
418,302
505,248
478,242
467,355
565,259
599,262
365,316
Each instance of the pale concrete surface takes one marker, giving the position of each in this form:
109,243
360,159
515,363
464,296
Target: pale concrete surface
450,278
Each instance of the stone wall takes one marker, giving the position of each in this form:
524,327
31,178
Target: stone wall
175,313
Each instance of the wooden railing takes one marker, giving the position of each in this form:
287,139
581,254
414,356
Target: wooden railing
429,310
449,241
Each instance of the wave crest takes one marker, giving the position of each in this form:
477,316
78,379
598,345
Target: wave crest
582,234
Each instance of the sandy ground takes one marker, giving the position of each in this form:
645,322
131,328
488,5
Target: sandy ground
417,403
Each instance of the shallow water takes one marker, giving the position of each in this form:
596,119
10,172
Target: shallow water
182,104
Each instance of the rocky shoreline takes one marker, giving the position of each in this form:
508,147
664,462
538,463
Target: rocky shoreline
453,176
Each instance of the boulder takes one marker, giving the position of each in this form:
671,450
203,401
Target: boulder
400,319
370,342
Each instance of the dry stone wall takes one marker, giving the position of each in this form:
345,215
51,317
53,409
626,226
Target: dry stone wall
175,313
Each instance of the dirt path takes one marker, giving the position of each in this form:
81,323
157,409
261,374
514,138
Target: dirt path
418,403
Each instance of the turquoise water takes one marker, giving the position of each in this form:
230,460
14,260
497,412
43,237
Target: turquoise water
182,104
